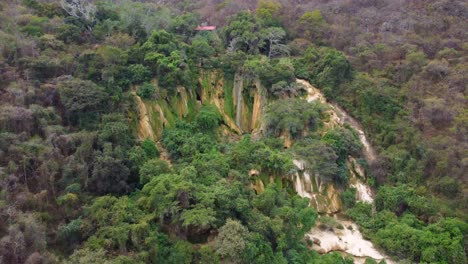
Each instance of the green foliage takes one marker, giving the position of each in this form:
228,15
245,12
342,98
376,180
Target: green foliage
319,158
409,102
208,118
334,258
202,48
349,198
327,68
163,53
146,91
400,198
248,154
84,256
70,33
313,25
109,174
242,33
293,116
70,233
185,24
150,148
344,142
231,240
114,129
184,142
138,73
152,168
422,245
448,187
268,12
81,99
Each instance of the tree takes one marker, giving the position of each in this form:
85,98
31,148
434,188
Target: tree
344,142
283,90
199,217
138,73
80,8
109,174
82,100
86,255
268,11
208,118
146,91
313,25
274,35
242,33
114,129
320,158
231,240
185,24
202,48
153,168
294,116
150,148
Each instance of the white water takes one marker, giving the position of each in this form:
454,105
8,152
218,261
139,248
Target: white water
363,193
340,117
348,240
325,192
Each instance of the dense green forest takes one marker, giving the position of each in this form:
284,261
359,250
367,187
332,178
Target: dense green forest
206,174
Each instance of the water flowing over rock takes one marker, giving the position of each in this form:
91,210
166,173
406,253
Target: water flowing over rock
363,191
260,101
339,117
324,197
345,236
237,95
183,103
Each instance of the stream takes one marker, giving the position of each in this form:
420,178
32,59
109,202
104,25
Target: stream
344,236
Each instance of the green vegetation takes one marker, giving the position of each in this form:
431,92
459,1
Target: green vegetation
78,187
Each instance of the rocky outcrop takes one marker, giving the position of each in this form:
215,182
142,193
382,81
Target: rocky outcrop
260,102
144,125
324,197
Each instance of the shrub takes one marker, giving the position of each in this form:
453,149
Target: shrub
146,91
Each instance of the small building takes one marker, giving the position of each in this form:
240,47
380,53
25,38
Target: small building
205,28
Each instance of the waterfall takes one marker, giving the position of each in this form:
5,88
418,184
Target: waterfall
237,94
340,117
344,236
324,197
347,238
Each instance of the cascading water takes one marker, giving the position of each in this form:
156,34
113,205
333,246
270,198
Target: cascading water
325,199
237,94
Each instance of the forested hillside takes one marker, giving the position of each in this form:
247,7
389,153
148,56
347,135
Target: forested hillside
129,135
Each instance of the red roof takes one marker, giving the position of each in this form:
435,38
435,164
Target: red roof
206,28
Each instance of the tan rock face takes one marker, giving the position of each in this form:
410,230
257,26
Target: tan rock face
144,126
324,197
259,102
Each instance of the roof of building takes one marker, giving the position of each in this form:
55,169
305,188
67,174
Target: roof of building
205,28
